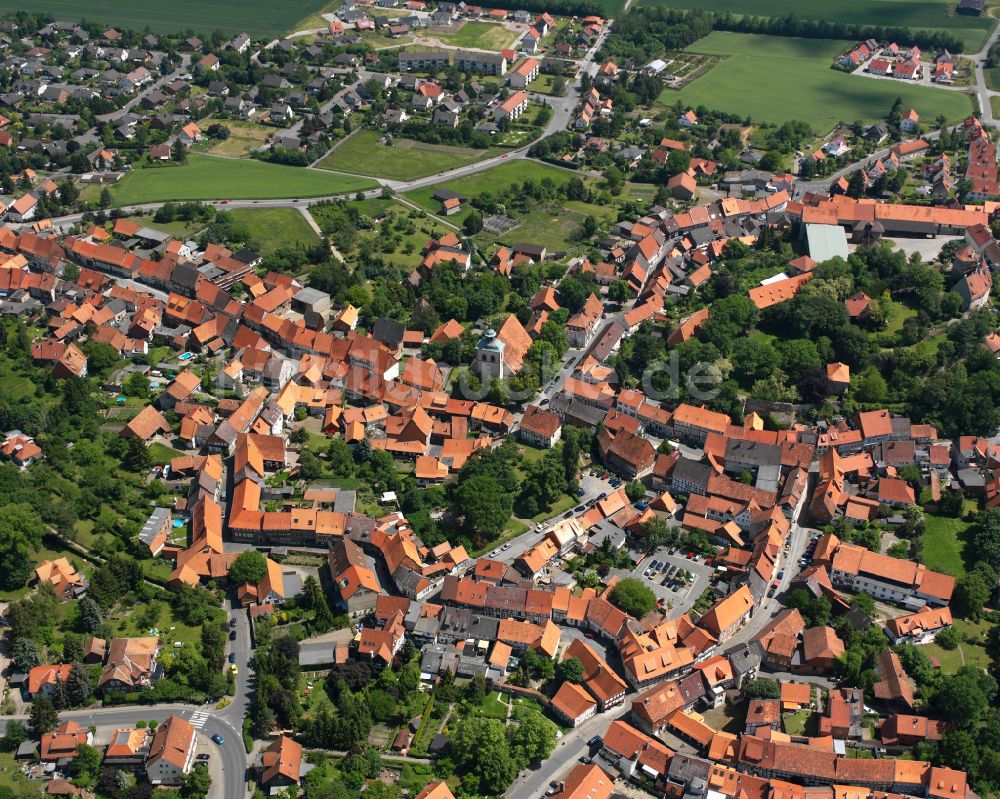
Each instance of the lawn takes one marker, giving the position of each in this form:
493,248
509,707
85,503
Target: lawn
406,159
965,654
491,706
259,18
797,722
944,544
992,78
495,179
13,779
178,228
161,454
243,137
208,178
480,35
272,228
898,314
933,15
995,105
756,81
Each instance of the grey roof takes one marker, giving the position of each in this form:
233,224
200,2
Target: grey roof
153,525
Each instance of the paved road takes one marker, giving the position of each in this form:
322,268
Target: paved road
209,721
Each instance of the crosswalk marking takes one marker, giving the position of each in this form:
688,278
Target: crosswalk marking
198,719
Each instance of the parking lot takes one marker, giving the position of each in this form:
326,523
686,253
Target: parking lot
684,596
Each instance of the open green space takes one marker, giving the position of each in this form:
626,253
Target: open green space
179,229
259,18
934,15
776,79
965,654
992,78
161,454
495,179
243,137
206,178
405,159
272,228
945,539
480,35
798,723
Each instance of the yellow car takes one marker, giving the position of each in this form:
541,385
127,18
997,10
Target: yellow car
233,669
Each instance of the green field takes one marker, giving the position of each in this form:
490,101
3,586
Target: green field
208,178
775,79
944,544
276,227
406,159
495,179
965,654
481,35
992,78
927,14
259,18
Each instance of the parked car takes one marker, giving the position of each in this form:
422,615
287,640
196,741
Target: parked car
232,635
781,574
580,492
232,622
580,508
232,657
218,739
594,741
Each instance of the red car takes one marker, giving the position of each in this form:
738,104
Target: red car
690,555
709,561
588,635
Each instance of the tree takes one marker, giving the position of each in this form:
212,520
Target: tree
484,504
960,698
85,767
635,490
13,736
570,670
948,638
971,593
21,532
178,152
762,688
78,687
91,617
196,783
870,386
633,596
473,223
479,746
864,602
42,717
136,385
249,567
815,610
26,654
958,750
136,458
532,740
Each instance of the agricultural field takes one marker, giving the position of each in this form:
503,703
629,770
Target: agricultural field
935,15
754,81
405,159
479,35
208,178
260,18
243,137
272,228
